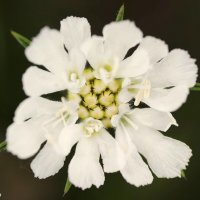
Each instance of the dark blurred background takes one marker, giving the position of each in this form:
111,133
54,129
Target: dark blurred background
175,21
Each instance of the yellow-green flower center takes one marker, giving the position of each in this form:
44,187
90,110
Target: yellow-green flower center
97,100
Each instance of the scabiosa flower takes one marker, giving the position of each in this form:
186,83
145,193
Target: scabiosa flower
96,101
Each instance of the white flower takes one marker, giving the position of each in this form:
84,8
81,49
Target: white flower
106,54
95,101
165,86
137,132
38,120
64,68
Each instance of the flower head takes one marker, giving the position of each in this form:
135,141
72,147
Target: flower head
95,100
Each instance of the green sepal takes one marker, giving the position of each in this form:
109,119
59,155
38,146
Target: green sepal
3,146
67,187
120,14
196,87
21,39
183,174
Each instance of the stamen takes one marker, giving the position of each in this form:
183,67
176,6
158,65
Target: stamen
143,91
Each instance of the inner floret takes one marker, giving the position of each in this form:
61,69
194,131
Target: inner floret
97,99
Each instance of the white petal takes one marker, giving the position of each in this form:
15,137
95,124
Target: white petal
178,68
84,168
156,48
47,49
78,60
135,171
166,156
121,36
35,106
167,100
135,65
37,82
153,118
124,95
47,163
75,31
24,139
94,51
69,136
112,156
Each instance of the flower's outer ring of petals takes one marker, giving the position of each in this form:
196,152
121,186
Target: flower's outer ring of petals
156,48
112,155
153,118
37,82
78,60
167,100
84,169
135,171
69,136
125,96
120,37
135,65
176,69
94,51
47,162
24,140
47,49
34,107
165,156
74,30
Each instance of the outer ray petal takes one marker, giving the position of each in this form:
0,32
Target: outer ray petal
153,118
84,168
69,136
75,30
112,156
24,139
48,162
165,156
135,65
47,49
156,48
121,36
35,106
135,171
37,82
167,100
177,69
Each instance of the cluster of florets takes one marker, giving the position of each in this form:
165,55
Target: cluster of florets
96,99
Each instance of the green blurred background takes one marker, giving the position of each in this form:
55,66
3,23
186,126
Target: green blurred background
175,21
